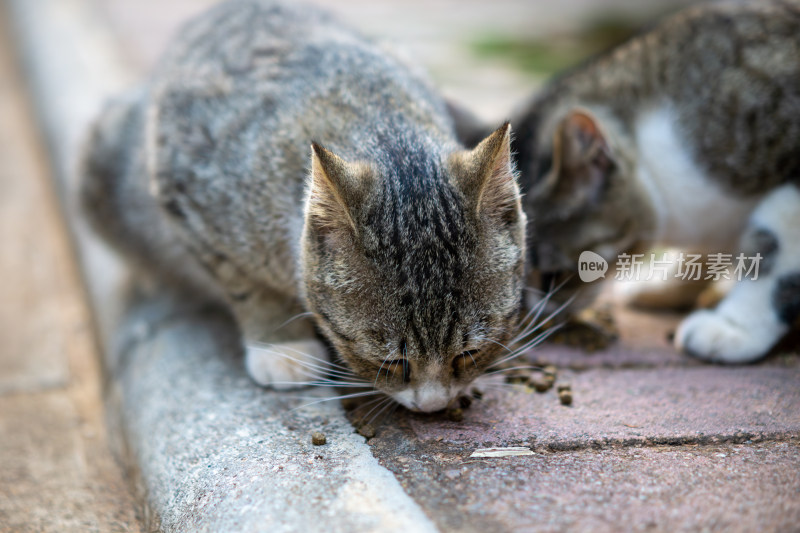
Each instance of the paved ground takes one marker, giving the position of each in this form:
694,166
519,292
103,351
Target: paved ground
654,441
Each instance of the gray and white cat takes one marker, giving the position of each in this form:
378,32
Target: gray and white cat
687,135
282,163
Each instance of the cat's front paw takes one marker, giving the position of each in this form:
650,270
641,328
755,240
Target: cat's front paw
712,336
285,366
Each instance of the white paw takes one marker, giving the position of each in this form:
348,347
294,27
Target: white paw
711,336
291,365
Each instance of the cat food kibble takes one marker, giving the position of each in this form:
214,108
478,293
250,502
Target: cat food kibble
565,397
456,415
367,431
318,438
541,385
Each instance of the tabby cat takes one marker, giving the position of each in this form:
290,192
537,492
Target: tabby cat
687,135
280,162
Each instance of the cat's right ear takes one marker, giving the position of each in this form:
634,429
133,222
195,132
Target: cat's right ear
582,160
488,178
336,191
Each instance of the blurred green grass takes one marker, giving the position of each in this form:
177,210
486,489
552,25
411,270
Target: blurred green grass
546,55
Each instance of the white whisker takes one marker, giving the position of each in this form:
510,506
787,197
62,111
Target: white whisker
295,317
393,405
327,363
539,308
380,406
319,369
378,374
341,397
527,346
499,344
502,370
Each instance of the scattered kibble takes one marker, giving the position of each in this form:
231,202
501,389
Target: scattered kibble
565,397
541,385
563,387
318,438
367,431
456,415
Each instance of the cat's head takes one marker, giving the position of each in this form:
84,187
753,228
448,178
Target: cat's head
413,263
582,195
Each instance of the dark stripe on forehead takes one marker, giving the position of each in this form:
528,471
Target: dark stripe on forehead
419,340
420,238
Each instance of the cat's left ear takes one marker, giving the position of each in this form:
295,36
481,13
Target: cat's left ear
487,177
337,191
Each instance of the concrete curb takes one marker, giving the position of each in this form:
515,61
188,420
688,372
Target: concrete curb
212,452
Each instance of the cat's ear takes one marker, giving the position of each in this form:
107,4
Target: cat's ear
336,191
582,159
487,177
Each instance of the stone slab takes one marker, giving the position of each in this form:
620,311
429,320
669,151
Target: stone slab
724,487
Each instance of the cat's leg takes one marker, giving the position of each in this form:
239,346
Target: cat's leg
281,347
286,365
757,312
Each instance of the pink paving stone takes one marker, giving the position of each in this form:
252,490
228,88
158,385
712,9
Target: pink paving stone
668,405
690,488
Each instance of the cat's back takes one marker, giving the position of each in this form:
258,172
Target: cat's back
727,75
697,48
234,106
246,87
290,63
733,78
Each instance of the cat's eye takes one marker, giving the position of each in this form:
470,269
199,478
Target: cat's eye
398,368
464,361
